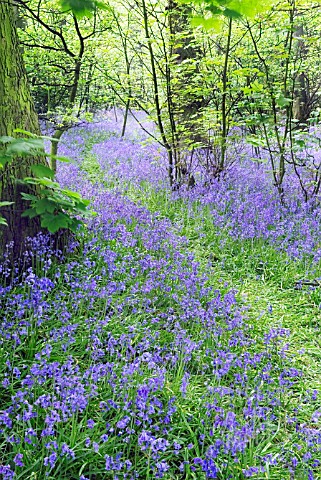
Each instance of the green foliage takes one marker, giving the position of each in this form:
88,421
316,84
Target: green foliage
283,101
234,9
58,208
270,70
81,8
19,147
11,147
42,171
212,23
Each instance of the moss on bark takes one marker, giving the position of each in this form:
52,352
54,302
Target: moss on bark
16,111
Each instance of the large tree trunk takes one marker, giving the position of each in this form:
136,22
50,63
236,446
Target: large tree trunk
16,111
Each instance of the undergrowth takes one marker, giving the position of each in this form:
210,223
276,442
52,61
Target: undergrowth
161,347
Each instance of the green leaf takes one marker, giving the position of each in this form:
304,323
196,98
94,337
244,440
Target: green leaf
42,171
3,221
300,143
22,147
283,101
44,205
255,141
214,9
64,204
4,204
82,8
4,159
257,86
30,212
234,14
46,182
71,194
55,222
248,8
28,196
234,9
61,159
6,139
25,132
213,23
82,206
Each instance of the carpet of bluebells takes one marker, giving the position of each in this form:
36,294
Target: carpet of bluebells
120,359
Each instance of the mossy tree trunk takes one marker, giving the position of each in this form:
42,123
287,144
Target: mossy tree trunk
16,111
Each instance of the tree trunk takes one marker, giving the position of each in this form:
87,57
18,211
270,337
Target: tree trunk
54,147
301,109
16,111
187,101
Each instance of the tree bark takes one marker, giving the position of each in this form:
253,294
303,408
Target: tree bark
186,100
301,109
16,111
184,50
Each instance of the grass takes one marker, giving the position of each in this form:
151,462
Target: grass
265,278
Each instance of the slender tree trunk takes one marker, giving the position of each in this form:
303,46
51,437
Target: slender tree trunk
72,95
156,95
129,88
54,147
224,129
16,111
301,110
185,104
71,103
123,131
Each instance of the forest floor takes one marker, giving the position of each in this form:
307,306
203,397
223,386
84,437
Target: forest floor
172,342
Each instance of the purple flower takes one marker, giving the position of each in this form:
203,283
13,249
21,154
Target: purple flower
176,446
90,423
6,471
184,385
316,416
5,383
123,422
250,472
114,463
145,440
162,468
210,468
65,450
51,460
18,460
135,268
16,372
159,445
